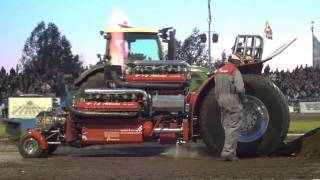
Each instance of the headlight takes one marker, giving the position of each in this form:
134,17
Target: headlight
58,120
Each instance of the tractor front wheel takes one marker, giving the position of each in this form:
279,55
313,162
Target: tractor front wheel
29,147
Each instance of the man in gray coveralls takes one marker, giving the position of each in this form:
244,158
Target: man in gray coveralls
229,92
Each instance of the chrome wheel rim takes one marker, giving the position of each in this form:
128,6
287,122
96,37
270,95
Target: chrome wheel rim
30,146
254,120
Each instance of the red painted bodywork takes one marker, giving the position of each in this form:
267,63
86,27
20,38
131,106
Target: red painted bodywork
168,78
111,131
70,134
147,129
38,137
110,106
186,130
192,97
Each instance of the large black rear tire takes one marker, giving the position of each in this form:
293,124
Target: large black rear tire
278,122
94,81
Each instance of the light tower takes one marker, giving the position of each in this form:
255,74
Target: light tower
312,28
209,35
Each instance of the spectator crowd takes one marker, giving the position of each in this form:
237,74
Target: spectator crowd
13,83
300,84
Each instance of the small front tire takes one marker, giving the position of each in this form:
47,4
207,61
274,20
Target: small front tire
29,147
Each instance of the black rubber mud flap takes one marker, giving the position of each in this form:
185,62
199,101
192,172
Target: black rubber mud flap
212,131
52,148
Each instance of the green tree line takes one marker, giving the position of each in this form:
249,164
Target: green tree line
46,48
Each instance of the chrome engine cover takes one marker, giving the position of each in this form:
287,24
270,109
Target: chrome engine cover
169,103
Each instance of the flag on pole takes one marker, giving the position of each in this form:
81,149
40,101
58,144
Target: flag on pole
316,51
268,31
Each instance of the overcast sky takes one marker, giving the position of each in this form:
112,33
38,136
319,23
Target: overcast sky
81,21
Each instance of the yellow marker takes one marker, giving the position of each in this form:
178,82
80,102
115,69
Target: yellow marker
109,138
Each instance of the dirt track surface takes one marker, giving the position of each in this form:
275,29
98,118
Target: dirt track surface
150,161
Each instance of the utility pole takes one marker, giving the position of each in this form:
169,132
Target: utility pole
312,28
209,35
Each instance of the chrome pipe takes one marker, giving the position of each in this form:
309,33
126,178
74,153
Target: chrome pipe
116,91
167,130
53,142
100,114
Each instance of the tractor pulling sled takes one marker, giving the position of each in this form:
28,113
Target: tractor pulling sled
146,98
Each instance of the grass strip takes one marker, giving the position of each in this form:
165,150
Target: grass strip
303,126
2,130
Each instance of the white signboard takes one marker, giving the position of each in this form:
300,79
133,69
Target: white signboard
28,107
310,107
291,109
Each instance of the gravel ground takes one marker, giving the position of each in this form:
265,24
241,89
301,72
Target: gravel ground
150,161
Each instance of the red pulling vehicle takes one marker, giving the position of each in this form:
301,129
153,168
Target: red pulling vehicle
137,96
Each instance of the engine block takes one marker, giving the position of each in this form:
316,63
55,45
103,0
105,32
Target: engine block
157,71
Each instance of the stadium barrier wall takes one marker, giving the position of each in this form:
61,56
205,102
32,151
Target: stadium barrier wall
309,107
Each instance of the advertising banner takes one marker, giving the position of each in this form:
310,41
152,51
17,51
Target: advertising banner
310,107
291,109
28,107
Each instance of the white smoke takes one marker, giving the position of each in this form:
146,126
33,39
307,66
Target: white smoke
190,150
117,17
